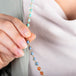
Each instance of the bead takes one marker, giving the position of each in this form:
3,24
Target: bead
36,63
41,73
29,20
32,53
34,58
32,0
28,41
30,15
30,48
39,68
28,25
30,10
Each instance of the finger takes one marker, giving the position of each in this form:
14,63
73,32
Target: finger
7,42
32,37
5,56
4,51
11,31
1,63
22,28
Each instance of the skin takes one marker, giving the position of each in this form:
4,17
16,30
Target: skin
13,33
13,36
69,7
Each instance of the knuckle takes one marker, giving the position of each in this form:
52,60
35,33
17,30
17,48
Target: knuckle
22,28
8,26
17,21
7,23
14,19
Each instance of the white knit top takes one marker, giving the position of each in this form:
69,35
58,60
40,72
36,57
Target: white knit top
55,43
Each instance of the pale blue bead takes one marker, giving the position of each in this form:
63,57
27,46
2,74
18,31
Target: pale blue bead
30,10
30,15
28,25
29,20
28,42
32,53
34,58
36,63
30,48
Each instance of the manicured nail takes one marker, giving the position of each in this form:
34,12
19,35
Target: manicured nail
27,34
23,44
20,53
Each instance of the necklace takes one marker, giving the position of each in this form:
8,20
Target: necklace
28,42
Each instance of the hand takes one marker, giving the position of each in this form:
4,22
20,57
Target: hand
13,36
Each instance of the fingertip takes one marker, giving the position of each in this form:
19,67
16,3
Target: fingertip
26,32
20,53
32,37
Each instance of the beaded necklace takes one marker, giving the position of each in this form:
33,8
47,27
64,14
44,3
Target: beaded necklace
28,42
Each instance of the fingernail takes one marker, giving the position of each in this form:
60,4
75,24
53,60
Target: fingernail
23,44
20,52
27,34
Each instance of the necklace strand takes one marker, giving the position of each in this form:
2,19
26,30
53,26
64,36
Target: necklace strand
28,42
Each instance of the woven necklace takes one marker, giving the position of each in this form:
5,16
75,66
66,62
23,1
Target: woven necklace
28,42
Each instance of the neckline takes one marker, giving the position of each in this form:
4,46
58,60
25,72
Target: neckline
60,10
